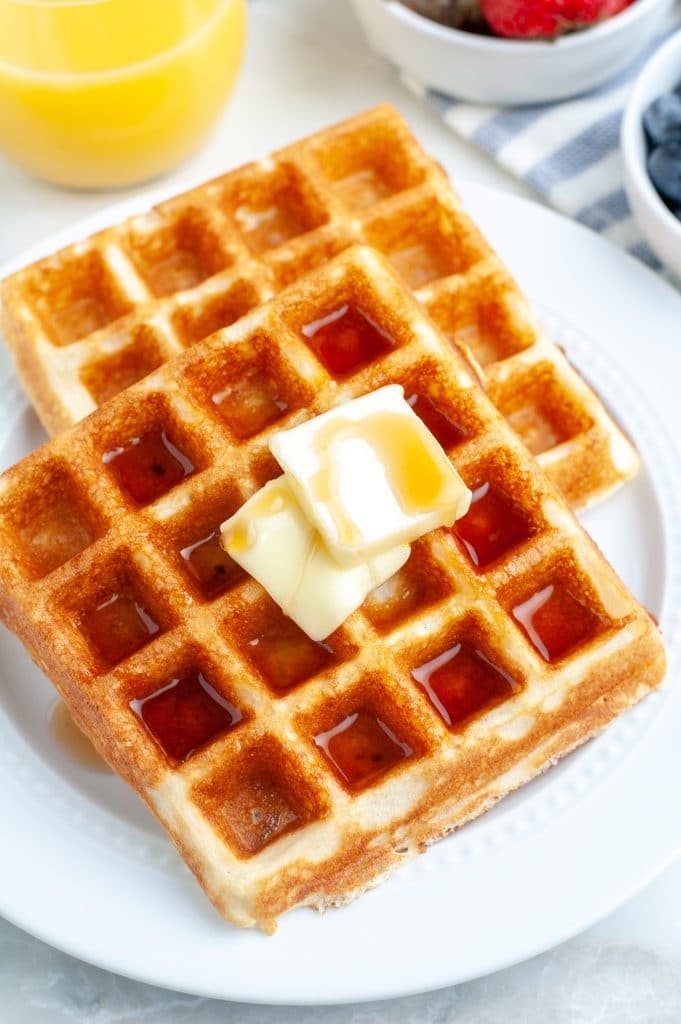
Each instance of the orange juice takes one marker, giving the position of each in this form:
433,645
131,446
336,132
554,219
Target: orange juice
98,93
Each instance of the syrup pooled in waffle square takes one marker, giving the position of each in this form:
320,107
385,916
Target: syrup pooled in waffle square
290,772
101,314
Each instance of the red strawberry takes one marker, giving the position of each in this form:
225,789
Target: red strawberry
542,19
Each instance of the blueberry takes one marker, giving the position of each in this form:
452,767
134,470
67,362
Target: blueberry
664,168
662,119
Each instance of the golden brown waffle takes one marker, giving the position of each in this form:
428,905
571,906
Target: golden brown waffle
289,772
101,314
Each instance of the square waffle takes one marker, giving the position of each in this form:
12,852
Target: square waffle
289,772
101,314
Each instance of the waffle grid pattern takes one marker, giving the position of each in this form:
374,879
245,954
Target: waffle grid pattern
91,320
260,813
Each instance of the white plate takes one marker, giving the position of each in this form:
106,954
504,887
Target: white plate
83,867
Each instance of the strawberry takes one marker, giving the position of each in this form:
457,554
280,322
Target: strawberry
544,19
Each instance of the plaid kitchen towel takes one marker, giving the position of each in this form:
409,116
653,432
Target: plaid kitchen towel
568,152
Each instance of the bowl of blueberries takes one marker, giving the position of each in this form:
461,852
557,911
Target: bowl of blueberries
651,150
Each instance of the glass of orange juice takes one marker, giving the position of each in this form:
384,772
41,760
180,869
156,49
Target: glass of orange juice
100,93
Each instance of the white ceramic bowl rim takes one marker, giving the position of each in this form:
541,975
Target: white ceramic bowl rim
420,23
632,128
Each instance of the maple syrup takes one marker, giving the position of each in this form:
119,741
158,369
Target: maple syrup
361,748
210,565
286,656
118,626
73,741
420,477
186,714
556,622
462,683
493,525
444,429
251,403
241,535
346,339
149,465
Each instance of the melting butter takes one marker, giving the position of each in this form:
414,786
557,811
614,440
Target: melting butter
415,473
370,476
271,538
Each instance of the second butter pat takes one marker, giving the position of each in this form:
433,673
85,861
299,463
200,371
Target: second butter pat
271,538
370,476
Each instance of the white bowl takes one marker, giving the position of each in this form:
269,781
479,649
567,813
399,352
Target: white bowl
660,227
508,72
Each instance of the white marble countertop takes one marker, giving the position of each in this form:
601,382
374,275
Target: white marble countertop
307,66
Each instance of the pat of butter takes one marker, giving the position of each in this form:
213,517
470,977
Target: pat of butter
369,475
272,540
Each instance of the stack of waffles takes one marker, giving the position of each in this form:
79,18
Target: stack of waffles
100,315
289,772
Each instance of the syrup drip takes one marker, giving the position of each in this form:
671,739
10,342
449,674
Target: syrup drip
73,741
346,339
148,466
210,564
492,526
186,714
462,683
556,622
361,748
118,627
241,535
412,467
439,424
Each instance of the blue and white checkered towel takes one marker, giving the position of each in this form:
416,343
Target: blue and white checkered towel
567,152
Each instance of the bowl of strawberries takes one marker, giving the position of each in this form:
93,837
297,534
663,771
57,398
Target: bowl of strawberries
511,52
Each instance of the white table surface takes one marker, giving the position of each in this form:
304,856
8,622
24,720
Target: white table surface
307,66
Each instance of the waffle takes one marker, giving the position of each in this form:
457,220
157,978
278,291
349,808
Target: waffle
101,314
289,772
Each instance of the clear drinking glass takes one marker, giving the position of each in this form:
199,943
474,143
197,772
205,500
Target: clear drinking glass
99,93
